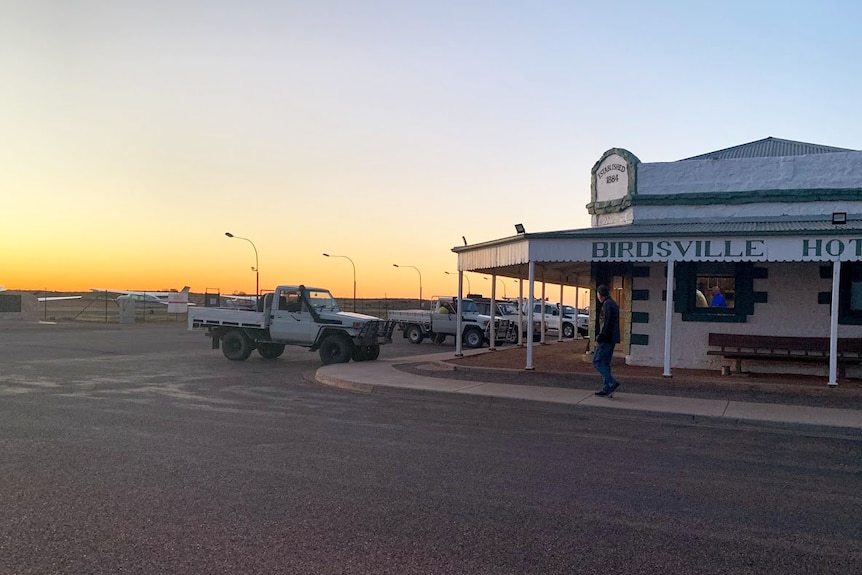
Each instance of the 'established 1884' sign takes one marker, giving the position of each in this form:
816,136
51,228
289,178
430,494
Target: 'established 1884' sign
612,182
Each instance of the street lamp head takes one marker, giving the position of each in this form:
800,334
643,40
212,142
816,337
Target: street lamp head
228,234
395,265
327,255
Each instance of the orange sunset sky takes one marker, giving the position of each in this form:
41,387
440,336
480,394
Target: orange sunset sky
135,134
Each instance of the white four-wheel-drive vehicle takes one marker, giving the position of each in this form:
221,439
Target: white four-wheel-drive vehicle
442,321
294,315
552,319
509,310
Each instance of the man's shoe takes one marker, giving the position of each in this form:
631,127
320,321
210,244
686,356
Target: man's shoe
614,388
603,393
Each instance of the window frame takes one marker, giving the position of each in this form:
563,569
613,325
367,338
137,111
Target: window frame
685,302
851,272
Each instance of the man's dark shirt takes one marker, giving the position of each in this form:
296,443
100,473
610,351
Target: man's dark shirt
609,322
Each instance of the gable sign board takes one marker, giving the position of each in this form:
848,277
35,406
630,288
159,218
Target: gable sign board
613,182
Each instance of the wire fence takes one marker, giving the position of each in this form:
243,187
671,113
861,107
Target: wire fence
104,307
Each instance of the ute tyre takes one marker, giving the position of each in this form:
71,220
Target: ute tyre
236,346
473,337
568,331
270,350
366,353
414,334
335,349
372,352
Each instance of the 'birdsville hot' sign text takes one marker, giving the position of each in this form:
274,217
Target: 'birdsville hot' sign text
717,249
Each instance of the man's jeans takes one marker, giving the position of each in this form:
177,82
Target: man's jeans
602,357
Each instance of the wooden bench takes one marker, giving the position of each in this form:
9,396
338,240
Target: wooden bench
783,348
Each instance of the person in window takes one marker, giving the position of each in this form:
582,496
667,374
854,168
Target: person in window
701,299
717,299
443,307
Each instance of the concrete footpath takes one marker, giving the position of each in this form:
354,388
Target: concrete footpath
365,377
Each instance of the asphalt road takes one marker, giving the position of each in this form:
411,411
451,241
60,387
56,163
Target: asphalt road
138,449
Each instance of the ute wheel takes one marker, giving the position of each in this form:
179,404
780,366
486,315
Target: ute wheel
366,353
270,350
568,330
372,352
335,349
236,346
414,334
473,337
439,338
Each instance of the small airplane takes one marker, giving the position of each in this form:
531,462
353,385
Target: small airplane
159,297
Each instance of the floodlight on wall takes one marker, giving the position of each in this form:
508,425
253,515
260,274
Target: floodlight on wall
839,218
520,228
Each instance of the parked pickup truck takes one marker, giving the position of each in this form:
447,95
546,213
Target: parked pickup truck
509,310
417,324
294,315
552,319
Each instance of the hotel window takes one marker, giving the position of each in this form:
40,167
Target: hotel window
714,291
850,294
715,285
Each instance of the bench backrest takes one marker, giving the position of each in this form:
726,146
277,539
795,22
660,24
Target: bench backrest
819,344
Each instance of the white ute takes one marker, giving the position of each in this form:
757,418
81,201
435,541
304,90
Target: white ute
294,315
417,324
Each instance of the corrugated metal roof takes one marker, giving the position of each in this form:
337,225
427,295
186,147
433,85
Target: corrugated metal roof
768,148
777,226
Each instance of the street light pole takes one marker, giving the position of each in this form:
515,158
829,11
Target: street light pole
420,280
354,276
502,283
469,289
256,265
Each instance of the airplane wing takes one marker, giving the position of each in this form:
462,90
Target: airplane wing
59,297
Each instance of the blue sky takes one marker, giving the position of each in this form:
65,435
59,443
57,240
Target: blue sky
380,130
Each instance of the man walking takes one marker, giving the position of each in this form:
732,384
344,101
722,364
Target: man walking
607,337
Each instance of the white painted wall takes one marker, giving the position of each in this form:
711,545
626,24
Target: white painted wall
613,219
791,310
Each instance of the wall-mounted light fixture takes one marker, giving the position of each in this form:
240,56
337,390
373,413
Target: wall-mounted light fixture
519,228
839,218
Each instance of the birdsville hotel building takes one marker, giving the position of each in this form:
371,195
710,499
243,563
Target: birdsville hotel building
775,226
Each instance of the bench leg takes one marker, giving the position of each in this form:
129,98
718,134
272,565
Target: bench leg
738,363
